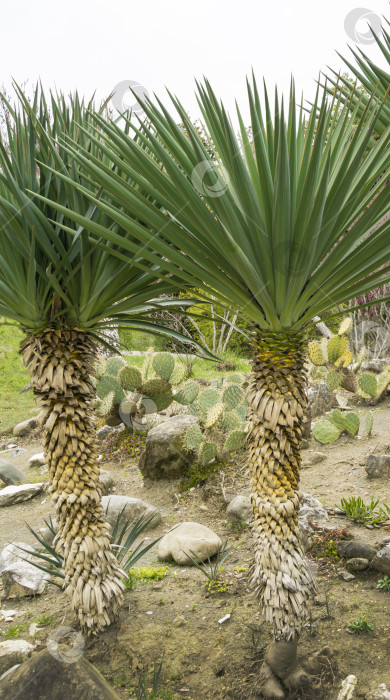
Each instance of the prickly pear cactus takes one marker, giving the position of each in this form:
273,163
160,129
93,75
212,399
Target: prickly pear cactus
213,415
337,418
208,398
130,378
316,355
207,452
187,394
193,438
333,379
232,396
113,365
352,423
234,440
163,364
337,346
368,384
108,384
345,326
324,431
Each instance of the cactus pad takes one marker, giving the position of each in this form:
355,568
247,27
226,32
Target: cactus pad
130,378
234,441
315,354
107,384
368,384
230,421
155,387
113,365
106,405
369,422
235,378
162,401
178,375
344,360
208,399
324,431
345,326
193,437
163,365
337,418
232,396
187,394
193,408
333,379
213,415
352,423
207,452
336,347
242,410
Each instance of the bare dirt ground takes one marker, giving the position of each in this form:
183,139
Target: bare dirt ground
176,616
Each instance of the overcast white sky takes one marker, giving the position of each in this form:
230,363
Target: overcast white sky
95,44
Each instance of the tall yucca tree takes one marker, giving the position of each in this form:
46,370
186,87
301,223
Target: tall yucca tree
371,79
64,290
264,227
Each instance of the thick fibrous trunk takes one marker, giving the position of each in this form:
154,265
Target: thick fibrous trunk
277,403
60,365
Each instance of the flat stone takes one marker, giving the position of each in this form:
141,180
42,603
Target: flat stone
312,458
104,432
10,474
12,651
15,494
239,509
378,466
357,564
25,427
107,481
44,677
37,460
133,509
379,693
354,549
19,577
345,575
164,455
189,537
381,561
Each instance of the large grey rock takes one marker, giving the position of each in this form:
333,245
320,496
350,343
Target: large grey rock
15,494
12,651
188,537
312,458
164,455
104,432
19,577
133,509
106,481
37,460
320,399
44,677
381,561
352,549
239,509
10,474
357,564
378,466
379,693
311,509
25,427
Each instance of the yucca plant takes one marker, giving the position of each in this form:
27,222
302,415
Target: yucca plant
371,79
263,226
64,289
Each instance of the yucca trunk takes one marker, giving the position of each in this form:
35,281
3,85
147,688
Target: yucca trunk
60,365
280,574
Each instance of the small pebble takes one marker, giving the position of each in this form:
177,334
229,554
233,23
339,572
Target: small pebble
224,619
149,612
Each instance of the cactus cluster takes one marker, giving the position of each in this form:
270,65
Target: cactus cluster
125,392
373,386
334,354
222,414
326,431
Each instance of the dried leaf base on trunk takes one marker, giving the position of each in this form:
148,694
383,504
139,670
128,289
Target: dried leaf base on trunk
280,573
60,365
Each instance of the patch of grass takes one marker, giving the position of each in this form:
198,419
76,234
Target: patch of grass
14,407
384,583
15,630
144,574
197,474
205,369
361,626
44,620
